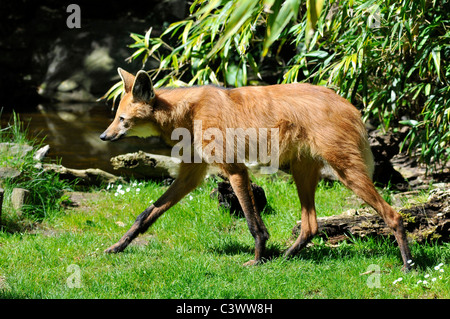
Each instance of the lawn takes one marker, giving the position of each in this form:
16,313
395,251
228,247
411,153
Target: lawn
196,250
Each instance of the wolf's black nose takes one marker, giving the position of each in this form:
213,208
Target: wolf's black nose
103,137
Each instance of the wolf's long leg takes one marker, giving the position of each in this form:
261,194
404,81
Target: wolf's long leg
240,182
306,175
355,177
189,177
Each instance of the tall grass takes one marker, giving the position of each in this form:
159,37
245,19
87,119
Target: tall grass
46,188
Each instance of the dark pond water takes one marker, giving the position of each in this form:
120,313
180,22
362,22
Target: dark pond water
72,131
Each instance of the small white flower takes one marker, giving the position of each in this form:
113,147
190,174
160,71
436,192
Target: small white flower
441,264
138,190
437,267
441,270
116,194
419,281
425,282
434,279
409,261
190,197
426,276
397,280
128,189
119,187
440,277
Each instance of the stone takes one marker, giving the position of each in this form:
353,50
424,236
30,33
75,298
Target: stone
19,198
41,153
2,192
9,172
227,198
15,150
384,147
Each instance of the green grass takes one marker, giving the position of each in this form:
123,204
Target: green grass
46,188
196,250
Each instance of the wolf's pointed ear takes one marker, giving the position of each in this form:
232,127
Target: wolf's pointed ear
143,88
127,79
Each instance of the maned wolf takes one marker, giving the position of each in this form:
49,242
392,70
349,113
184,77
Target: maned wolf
314,126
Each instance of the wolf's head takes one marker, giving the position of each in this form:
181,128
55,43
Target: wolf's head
134,116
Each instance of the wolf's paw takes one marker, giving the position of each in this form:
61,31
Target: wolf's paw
116,248
252,262
408,266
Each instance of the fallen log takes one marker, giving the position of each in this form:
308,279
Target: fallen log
89,176
146,165
150,166
429,221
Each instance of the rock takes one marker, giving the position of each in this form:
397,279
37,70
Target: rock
328,174
78,199
384,147
15,150
2,192
41,153
90,176
9,172
228,199
146,165
19,198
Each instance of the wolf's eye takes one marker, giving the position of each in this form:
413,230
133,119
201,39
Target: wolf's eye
121,118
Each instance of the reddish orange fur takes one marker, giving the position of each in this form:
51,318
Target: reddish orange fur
316,126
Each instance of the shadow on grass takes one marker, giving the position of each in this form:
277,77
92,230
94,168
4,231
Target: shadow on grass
5,295
17,225
424,254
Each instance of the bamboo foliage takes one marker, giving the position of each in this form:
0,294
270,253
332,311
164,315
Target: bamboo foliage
389,58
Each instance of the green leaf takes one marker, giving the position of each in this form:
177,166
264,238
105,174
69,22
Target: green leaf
409,122
277,21
186,31
242,12
136,54
244,71
313,10
427,89
137,37
204,11
174,27
213,78
436,54
147,37
175,62
317,54
113,93
253,65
